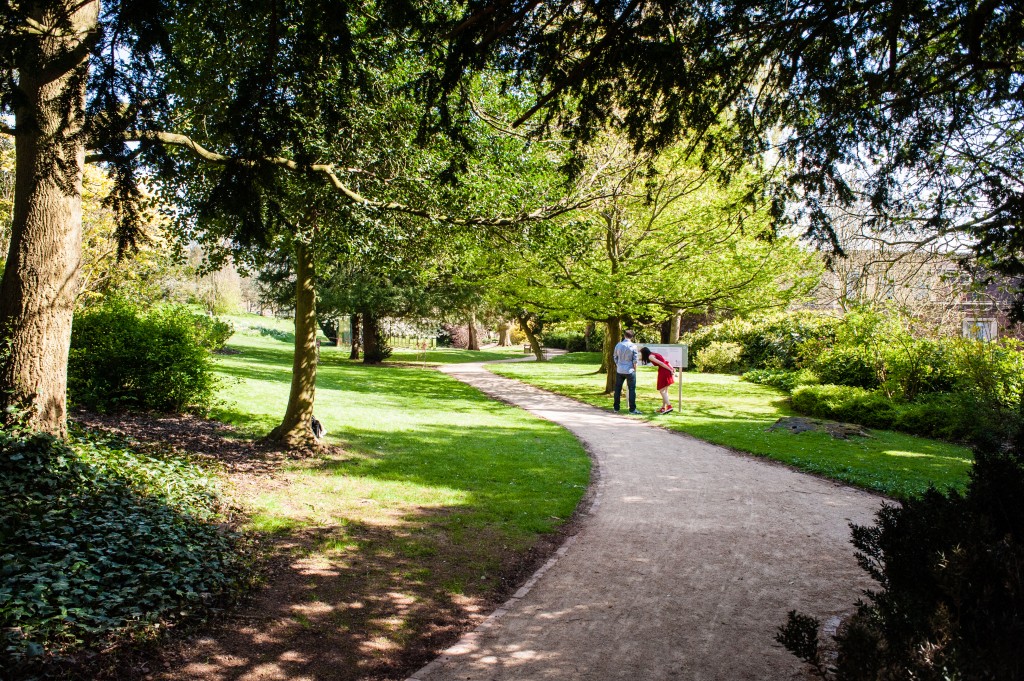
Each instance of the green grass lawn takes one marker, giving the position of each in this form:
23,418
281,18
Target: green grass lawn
422,516
420,449
727,411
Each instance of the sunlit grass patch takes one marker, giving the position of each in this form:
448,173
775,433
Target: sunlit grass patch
432,491
726,411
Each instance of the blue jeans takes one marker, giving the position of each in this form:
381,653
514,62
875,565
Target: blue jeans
629,379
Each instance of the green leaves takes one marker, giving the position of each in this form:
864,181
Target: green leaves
123,357
98,540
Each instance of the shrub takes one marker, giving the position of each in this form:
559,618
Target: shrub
951,600
770,342
571,341
845,403
844,365
916,366
947,417
123,358
992,372
719,358
782,379
453,336
213,333
100,541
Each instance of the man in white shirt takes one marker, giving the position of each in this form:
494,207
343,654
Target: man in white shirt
626,357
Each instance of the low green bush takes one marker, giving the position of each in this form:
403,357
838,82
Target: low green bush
124,358
845,403
950,599
99,542
783,379
213,333
570,341
844,365
770,342
719,357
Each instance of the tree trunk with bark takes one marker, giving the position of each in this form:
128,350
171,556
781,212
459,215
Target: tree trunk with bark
355,326
40,282
538,351
504,334
612,336
373,351
673,334
474,340
295,430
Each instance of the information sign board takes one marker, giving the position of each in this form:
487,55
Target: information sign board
674,353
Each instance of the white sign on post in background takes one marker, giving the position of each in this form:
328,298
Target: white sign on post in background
678,356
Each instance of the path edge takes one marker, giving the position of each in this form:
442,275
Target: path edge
588,506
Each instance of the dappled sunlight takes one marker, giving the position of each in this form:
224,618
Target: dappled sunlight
396,538
347,614
908,454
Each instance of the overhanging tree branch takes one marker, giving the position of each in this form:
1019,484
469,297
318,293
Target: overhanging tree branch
330,172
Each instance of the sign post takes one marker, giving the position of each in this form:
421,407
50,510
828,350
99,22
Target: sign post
678,356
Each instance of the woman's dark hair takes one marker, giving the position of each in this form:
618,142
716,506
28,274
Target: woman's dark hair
645,352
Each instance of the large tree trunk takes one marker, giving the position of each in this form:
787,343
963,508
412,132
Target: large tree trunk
612,336
295,430
588,336
673,334
37,294
538,351
504,334
374,350
474,341
355,324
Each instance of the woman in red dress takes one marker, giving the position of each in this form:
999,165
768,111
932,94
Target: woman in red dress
665,378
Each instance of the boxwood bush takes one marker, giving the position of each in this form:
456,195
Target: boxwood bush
100,542
125,358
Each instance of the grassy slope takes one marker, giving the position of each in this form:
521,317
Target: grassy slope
423,453
730,412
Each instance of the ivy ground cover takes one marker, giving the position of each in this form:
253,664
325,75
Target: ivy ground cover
727,411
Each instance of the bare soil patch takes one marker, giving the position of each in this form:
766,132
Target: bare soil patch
355,601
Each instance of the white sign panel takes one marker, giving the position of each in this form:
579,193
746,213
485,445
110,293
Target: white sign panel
677,355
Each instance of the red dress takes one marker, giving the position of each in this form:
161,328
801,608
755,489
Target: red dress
665,378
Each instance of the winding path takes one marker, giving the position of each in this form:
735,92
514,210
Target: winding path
685,566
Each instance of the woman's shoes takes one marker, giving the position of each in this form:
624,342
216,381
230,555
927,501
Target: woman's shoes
665,409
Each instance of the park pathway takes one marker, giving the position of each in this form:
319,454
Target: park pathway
684,567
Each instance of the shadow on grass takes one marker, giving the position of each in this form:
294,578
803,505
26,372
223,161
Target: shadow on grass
345,375
362,598
357,601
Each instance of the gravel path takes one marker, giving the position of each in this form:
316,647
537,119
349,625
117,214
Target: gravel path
687,563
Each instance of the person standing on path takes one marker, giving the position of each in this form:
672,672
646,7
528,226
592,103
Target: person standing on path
665,378
626,357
